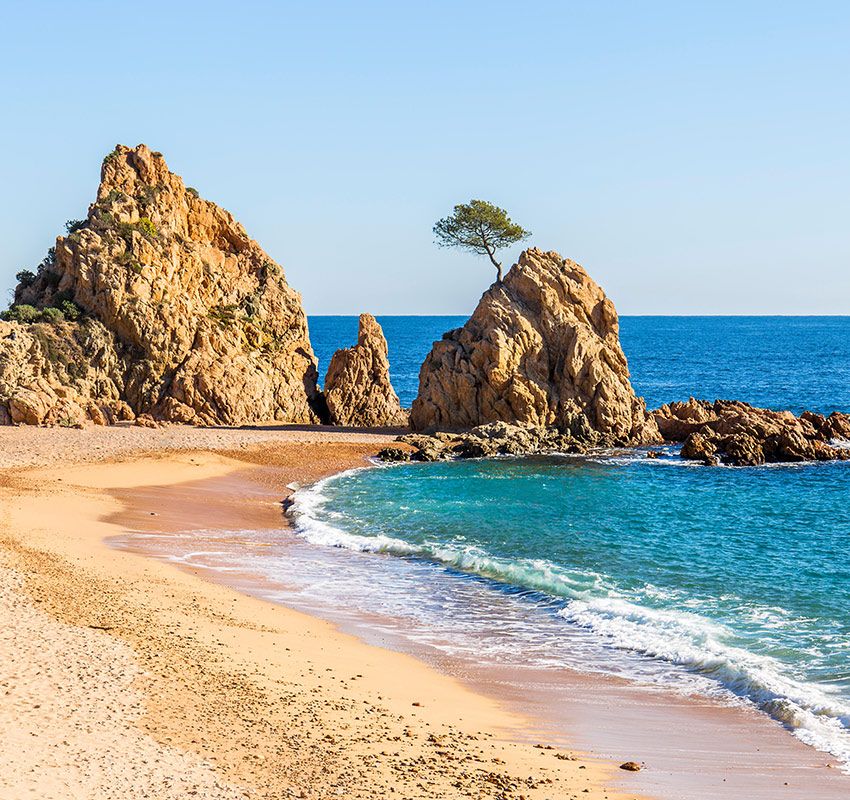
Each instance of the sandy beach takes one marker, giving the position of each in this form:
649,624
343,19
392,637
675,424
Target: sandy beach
126,677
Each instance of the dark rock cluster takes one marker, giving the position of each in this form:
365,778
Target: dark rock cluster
738,434
492,439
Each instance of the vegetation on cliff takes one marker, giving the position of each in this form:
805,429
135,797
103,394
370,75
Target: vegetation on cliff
199,321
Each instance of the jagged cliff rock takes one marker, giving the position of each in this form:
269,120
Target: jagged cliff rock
739,434
60,374
357,387
184,316
541,349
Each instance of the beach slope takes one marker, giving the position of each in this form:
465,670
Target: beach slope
127,677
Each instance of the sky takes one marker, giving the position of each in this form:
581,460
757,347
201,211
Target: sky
694,157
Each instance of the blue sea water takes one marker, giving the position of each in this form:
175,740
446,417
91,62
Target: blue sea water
729,582
409,340
796,363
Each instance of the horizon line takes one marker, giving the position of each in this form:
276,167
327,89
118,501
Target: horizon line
621,316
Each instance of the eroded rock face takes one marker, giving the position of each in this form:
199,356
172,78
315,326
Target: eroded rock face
358,391
60,374
541,349
186,317
739,434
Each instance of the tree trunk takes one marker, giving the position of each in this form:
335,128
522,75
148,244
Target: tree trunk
496,264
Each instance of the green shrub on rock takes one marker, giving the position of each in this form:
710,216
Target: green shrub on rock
25,278
70,310
146,226
73,225
21,313
52,315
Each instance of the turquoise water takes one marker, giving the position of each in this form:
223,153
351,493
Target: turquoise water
733,583
728,582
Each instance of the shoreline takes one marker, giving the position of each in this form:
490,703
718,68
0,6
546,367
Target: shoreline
241,487
736,750
256,697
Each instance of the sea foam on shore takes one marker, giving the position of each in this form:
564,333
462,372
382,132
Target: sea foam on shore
615,565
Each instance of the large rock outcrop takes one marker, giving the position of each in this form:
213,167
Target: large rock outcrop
183,315
541,349
358,391
739,434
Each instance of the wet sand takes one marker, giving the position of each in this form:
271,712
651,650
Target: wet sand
130,678
692,747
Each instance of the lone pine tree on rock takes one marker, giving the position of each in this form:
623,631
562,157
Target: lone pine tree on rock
480,227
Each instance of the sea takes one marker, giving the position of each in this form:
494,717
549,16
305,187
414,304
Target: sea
730,582
726,583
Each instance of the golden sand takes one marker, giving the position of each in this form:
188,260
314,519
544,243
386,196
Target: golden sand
127,677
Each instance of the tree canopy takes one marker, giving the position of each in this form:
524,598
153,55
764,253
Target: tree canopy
480,227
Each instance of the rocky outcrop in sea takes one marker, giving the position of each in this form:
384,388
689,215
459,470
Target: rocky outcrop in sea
358,391
157,304
492,439
542,351
738,434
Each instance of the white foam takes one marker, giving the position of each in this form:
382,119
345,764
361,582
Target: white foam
814,713
306,508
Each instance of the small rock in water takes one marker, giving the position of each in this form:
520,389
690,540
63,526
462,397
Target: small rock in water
394,454
631,766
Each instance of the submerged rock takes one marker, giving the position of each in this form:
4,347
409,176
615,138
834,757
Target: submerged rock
541,350
739,434
170,308
358,391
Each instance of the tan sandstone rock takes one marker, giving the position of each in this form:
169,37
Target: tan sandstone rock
743,435
357,387
49,372
185,317
541,349
30,405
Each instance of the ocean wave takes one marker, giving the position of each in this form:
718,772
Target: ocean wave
814,714
620,619
536,574
306,508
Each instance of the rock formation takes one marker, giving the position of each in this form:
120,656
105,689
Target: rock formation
492,439
60,374
541,349
169,309
739,434
358,391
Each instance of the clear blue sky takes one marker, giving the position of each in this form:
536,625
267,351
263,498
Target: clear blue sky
695,157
